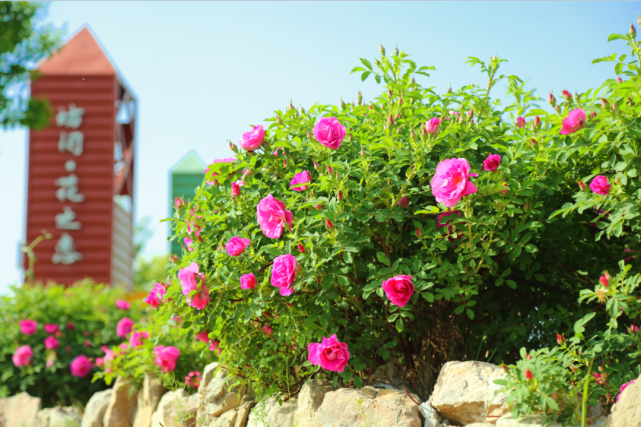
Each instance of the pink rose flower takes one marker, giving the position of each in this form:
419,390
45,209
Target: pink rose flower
399,289
22,356
329,132
193,379
253,139
80,366
87,343
124,327
492,162
122,304
284,273
166,358
203,336
51,328
137,338
268,329
623,387
28,327
237,245
297,183
190,279
235,190
215,346
573,122
70,326
99,361
51,343
451,181
330,354
248,281
154,298
227,160
600,185
520,122
404,202
272,216
432,125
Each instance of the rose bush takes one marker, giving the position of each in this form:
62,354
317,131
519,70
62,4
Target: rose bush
52,336
474,220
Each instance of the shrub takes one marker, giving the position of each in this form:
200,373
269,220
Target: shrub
81,318
367,221
164,351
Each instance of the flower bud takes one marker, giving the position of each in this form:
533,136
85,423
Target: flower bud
404,202
605,105
329,224
600,294
576,96
470,114
362,151
619,79
233,147
528,374
389,91
371,106
552,100
633,32
342,103
301,248
359,98
558,109
340,195
301,109
593,114
630,102
418,232
382,50
581,185
400,102
449,90
412,133
390,121
178,202
309,135
174,259
560,339
526,207
533,142
639,20
291,106
529,357
284,163
566,95
279,120
398,116
412,81
537,121
505,368
316,166
616,180
329,170
396,51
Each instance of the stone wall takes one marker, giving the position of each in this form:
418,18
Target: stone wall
464,395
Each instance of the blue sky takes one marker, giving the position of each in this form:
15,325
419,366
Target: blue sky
204,71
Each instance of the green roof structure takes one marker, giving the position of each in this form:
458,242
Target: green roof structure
183,180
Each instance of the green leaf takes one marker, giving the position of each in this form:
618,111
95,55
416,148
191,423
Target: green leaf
617,37
365,75
470,314
383,258
366,63
399,324
428,296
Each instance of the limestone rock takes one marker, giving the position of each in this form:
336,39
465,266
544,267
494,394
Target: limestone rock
627,411
387,408
96,408
480,425
465,393
20,410
148,398
214,398
176,409
537,421
310,398
270,413
59,416
122,406
432,418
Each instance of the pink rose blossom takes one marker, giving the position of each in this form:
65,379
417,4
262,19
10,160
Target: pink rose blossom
203,336
190,279
28,327
268,329
137,338
399,289
284,273
215,346
80,366
253,139
329,132
451,181
22,356
51,343
122,304
193,379
51,328
248,281
600,185
404,202
604,280
166,358
432,125
227,160
237,245
492,162
330,354
634,329
235,190
70,326
124,327
87,343
272,217
299,179
623,387
520,122
154,298
301,248
574,122
99,361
